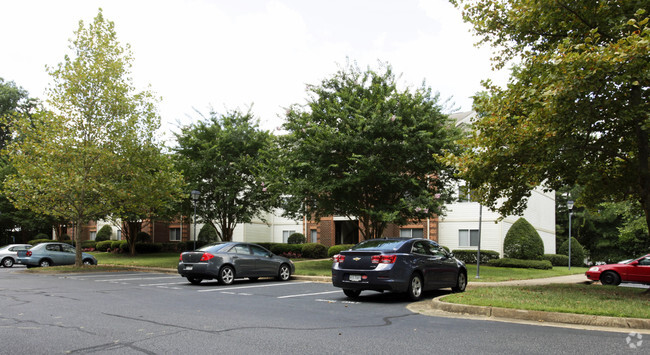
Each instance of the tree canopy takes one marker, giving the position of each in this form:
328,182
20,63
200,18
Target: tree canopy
224,157
71,162
364,149
576,108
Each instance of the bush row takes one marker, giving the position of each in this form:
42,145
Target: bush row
335,249
518,263
469,256
557,259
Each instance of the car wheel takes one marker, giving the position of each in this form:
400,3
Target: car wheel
285,272
227,275
610,278
44,263
461,282
7,262
353,294
194,280
415,287
88,262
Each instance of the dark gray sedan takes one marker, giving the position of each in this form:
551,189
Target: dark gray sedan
230,260
49,254
397,265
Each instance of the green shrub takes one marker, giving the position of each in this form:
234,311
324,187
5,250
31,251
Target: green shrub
89,244
36,241
142,248
296,238
314,251
208,234
103,245
519,263
469,256
577,251
557,259
282,249
142,237
335,249
523,242
104,233
43,236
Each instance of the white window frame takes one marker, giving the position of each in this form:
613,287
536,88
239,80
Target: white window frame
408,232
286,234
175,232
465,237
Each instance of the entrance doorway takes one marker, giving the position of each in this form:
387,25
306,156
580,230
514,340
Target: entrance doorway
346,232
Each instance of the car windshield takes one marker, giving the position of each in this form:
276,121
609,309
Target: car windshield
212,248
379,244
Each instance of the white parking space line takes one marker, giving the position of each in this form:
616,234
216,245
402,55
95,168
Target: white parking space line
77,276
254,286
309,294
139,278
165,284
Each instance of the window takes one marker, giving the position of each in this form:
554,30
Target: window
240,249
119,234
468,237
93,235
259,251
175,234
314,236
286,234
411,233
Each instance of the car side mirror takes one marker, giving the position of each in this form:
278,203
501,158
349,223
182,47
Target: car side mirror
635,263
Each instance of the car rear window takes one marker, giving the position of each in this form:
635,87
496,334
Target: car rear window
213,247
379,244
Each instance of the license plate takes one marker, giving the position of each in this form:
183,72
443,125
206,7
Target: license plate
188,268
355,277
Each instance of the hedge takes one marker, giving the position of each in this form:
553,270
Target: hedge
518,263
335,249
87,244
282,248
103,245
314,251
142,248
36,241
469,256
557,259
296,238
577,251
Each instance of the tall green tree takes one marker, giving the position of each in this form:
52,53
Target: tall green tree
576,108
364,149
224,157
69,162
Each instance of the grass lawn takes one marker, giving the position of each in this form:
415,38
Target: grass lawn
165,260
566,298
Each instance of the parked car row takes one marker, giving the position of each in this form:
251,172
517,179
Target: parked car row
42,254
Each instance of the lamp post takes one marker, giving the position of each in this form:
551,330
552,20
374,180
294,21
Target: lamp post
569,205
195,199
478,249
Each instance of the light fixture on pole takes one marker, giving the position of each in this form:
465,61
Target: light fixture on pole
195,199
569,205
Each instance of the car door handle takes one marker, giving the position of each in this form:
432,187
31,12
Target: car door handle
235,257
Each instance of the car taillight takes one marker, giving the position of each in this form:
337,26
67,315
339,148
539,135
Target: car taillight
206,256
383,259
180,258
338,258
29,253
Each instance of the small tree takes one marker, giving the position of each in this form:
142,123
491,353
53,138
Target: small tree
104,233
296,238
208,234
523,242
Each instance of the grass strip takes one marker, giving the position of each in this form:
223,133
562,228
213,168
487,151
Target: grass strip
592,299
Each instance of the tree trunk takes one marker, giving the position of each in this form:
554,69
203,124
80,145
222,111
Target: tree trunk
644,155
77,240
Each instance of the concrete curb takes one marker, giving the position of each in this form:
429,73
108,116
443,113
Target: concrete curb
541,316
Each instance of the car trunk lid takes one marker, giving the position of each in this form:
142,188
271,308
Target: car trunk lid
358,260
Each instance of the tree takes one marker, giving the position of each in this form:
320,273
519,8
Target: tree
69,161
575,110
362,148
223,158
523,242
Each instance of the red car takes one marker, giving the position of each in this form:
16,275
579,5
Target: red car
637,270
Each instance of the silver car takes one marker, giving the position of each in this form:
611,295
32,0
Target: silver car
50,254
8,253
227,261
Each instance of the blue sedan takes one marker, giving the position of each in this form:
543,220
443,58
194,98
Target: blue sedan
49,254
397,265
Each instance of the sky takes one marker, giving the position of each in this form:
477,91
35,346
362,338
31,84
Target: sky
199,55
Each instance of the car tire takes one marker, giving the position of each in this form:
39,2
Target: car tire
45,263
227,275
352,294
284,274
7,262
461,282
415,287
610,278
88,262
194,280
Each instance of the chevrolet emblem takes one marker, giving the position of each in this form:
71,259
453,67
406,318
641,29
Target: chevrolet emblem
356,259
